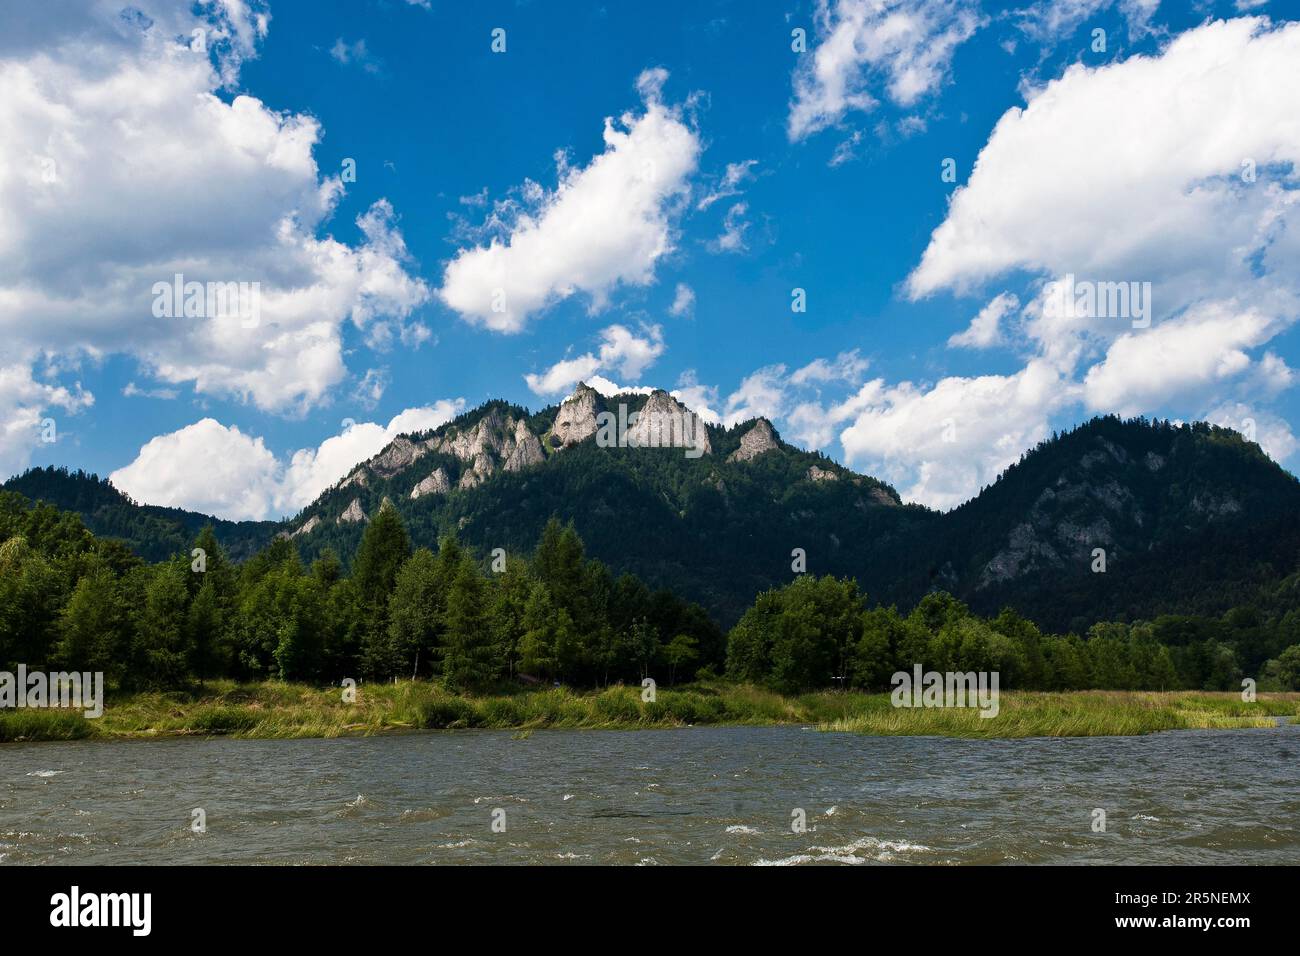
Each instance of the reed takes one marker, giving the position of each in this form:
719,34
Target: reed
277,710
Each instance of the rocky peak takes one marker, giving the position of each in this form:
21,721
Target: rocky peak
353,513
664,422
527,449
576,418
754,442
485,437
817,473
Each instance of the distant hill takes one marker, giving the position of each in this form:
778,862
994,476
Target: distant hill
151,531
1192,518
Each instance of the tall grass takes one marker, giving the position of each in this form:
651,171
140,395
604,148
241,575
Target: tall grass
1078,714
279,710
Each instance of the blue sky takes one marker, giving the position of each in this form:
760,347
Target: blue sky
662,252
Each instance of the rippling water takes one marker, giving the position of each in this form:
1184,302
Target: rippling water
699,795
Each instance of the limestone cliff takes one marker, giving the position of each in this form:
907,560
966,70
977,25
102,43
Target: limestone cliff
755,442
576,418
435,484
665,422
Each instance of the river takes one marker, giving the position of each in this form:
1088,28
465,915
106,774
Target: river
723,795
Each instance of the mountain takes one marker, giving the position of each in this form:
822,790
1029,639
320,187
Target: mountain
151,531
1192,518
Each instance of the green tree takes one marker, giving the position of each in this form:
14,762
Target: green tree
874,659
384,548
415,614
1283,672
94,626
468,655
543,624
508,602
681,651
204,630
160,648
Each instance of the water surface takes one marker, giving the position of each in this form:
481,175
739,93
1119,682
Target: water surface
720,795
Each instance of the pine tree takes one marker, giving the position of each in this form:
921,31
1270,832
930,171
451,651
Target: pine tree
415,612
94,627
510,593
203,630
160,641
385,546
540,623
467,645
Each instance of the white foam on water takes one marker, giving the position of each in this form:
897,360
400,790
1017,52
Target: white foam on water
45,773
741,828
882,851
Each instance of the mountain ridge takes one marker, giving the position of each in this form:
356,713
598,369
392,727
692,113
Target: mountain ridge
718,514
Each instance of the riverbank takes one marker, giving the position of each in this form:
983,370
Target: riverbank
274,710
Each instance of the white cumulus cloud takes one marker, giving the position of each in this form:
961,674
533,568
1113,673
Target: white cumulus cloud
621,350
906,45
605,224
124,162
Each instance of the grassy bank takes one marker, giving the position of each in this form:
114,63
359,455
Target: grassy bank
1078,714
276,710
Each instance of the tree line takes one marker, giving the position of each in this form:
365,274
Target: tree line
819,632
70,600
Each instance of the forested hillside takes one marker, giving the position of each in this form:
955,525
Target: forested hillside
1185,518
71,601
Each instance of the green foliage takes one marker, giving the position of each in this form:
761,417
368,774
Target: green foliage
1197,521
793,637
469,661
72,600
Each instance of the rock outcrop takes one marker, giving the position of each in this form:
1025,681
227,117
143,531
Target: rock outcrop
353,513
882,497
435,484
475,476
754,442
576,418
307,527
664,422
817,473
527,449
400,454
485,437
494,439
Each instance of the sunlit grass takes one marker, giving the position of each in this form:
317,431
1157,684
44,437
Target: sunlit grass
1078,714
278,710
